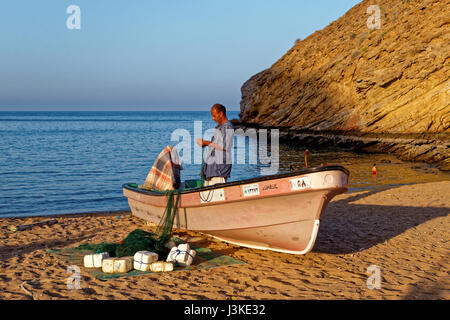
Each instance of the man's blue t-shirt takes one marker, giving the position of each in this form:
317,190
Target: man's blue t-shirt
218,163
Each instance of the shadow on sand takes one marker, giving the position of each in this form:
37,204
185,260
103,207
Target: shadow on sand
9,251
349,228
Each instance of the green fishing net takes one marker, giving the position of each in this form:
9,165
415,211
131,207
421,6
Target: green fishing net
164,230
138,240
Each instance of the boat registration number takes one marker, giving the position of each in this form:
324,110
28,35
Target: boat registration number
249,190
300,183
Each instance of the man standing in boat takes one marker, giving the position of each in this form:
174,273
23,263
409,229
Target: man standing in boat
217,168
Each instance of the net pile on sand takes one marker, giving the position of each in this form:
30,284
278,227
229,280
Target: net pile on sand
138,240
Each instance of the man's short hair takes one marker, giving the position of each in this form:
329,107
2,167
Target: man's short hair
220,108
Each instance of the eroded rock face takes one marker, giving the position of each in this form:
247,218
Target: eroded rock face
349,79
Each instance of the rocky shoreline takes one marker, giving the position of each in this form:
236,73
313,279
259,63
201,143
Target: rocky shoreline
427,147
383,90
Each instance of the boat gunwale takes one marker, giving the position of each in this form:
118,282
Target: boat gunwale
240,182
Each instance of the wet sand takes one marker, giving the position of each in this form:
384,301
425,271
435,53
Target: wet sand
404,231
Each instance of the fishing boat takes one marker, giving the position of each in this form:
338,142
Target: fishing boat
278,212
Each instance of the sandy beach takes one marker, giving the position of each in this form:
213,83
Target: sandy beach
404,231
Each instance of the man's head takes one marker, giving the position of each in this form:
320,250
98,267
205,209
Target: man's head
219,113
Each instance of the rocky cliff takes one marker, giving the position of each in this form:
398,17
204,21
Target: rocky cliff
376,89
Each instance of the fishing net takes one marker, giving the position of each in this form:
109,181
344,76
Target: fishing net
138,240
101,247
165,227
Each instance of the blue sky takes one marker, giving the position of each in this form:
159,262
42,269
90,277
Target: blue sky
145,54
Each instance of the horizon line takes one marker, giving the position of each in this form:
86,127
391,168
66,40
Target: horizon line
156,110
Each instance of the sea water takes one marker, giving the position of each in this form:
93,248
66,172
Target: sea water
75,162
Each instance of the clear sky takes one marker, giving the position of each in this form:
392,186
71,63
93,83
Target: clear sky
146,54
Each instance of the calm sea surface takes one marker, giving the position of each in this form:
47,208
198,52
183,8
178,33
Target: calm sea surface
73,162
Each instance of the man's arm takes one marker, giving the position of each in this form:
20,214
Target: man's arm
204,143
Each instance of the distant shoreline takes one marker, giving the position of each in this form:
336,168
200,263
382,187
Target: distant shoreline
431,148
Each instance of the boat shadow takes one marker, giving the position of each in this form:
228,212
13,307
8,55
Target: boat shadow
347,227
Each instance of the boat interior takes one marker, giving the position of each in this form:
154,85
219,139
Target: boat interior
196,185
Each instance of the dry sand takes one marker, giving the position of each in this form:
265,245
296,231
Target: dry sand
404,231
